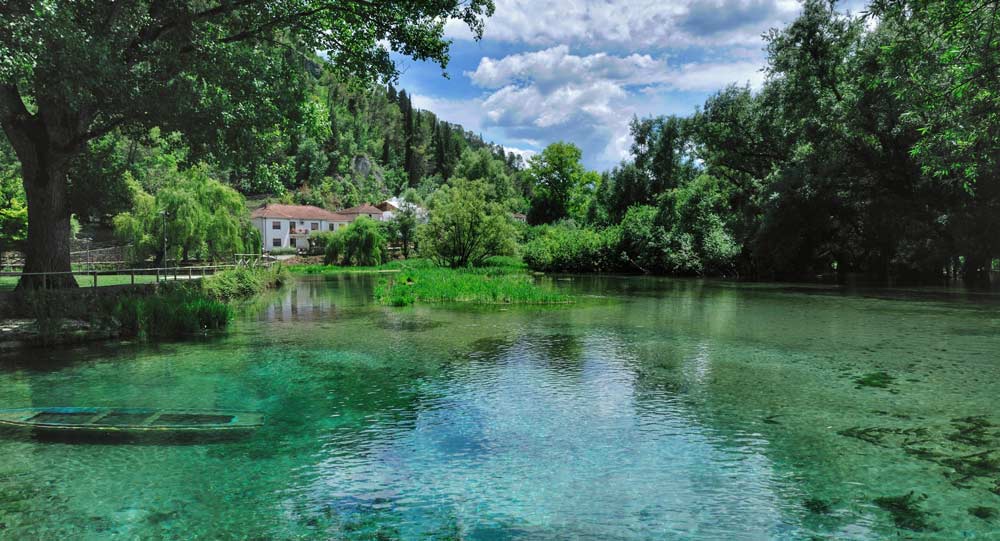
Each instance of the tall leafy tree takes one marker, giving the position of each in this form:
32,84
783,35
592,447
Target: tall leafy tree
73,71
555,173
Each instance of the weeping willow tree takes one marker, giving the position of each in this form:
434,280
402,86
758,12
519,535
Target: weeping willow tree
194,216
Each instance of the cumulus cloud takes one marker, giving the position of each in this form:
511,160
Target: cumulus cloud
468,113
553,94
642,24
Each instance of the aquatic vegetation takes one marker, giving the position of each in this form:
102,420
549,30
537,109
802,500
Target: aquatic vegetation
491,285
176,313
877,435
969,467
392,266
817,506
906,510
985,513
881,380
972,431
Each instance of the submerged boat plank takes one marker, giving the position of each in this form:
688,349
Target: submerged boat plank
130,419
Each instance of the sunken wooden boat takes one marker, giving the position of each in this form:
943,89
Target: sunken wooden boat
131,421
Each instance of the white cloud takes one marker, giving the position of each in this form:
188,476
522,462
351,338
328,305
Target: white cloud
636,24
468,113
553,94
524,153
553,66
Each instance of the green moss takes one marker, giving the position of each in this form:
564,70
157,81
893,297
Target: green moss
906,510
881,380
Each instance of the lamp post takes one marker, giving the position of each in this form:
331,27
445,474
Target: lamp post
163,221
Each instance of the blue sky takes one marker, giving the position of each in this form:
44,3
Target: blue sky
578,70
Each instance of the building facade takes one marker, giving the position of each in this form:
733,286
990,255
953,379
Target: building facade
289,226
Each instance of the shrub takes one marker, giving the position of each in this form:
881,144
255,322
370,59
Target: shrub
565,248
465,228
242,283
361,243
318,241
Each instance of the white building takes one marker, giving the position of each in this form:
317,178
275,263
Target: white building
390,207
289,226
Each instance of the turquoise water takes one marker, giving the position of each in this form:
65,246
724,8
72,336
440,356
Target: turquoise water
655,409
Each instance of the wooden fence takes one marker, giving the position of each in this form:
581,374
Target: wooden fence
93,277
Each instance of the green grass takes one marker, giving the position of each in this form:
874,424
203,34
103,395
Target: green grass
176,313
10,282
487,285
392,266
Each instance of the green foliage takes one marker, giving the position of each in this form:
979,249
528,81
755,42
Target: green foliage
362,243
242,283
203,219
402,228
392,266
465,228
556,174
179,312
13,214
568,248
490,285
232,76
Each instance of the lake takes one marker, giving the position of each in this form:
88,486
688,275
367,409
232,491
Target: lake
652,409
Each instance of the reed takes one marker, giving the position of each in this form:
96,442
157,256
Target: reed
485,285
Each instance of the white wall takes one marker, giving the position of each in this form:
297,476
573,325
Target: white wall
268,234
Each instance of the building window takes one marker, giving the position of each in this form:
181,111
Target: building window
276,243
291,243
275,225
314,226
332,227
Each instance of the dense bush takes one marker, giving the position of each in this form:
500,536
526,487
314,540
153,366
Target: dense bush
465,228
682,237
363,243
242,283
567,248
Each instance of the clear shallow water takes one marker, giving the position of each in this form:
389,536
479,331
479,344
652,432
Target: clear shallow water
664,409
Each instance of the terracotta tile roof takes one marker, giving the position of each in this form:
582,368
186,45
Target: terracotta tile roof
361,209
297,212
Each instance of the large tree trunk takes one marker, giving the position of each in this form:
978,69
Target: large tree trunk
48,244
44,142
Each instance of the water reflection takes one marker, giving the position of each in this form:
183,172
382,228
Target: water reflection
530,435
669,410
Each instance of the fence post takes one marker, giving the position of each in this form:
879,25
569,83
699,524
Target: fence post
95,279
131,274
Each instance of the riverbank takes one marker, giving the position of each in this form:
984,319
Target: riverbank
163,310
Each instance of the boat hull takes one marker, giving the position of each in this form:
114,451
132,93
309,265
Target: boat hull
130,422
